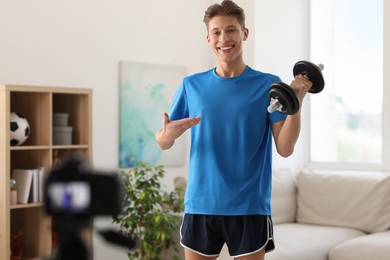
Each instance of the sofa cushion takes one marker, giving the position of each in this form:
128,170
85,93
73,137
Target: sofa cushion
347,199
375,246
283,199
294,241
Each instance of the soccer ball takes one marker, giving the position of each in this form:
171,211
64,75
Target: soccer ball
20,129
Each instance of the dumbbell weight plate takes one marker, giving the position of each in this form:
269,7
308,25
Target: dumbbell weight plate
313,72
286,96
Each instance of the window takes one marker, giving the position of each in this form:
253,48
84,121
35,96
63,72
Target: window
346,119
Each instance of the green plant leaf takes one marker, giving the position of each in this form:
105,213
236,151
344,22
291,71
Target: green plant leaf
147,210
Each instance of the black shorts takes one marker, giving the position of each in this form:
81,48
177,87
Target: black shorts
243,235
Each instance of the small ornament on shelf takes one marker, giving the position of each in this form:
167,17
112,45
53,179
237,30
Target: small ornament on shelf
13,195
16,246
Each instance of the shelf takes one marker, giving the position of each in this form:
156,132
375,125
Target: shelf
77,107
43,147
28,205
79,146
30,147
37,104
35,107
30,159
35,225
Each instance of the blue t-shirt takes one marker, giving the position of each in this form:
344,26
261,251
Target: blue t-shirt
231,147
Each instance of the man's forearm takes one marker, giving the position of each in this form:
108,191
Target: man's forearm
163,144
289,135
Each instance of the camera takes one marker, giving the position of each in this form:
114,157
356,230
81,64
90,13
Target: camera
74,193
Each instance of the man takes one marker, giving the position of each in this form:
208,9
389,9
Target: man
229,181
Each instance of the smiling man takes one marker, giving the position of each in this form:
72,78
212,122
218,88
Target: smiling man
226,36
228,194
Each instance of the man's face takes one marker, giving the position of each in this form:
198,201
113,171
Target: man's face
225,37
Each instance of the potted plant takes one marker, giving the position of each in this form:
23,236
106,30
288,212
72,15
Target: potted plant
148,211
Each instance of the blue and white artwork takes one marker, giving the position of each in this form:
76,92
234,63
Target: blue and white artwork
146,92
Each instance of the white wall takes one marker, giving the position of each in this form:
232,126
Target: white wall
282,39
79,44
386,82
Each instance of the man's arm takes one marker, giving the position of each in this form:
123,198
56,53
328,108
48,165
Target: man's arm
286,132
171,130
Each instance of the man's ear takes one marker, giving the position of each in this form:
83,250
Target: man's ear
208,38
246,34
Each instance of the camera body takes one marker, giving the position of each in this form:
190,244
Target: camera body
74,194
74,191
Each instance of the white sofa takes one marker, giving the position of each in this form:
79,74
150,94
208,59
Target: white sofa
326,216
331,215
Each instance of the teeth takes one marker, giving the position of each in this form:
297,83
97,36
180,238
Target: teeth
226,48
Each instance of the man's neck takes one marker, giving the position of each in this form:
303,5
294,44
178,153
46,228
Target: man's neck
226,70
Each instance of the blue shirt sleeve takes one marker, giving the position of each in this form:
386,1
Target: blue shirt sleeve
276,116
179,107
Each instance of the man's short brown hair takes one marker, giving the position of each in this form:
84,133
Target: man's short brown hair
228,8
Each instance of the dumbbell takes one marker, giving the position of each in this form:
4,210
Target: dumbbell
283,97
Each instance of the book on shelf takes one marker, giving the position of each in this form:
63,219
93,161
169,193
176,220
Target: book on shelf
41,183
33,197
29,185
23,179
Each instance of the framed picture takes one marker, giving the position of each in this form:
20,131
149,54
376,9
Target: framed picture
146,92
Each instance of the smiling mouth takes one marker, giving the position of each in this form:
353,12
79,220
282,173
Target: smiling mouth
226,48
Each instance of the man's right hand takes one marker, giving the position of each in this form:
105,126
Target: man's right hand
171,130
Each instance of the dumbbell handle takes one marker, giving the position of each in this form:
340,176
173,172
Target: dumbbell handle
275,104
320,66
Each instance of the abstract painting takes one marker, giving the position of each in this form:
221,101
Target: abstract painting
146,92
